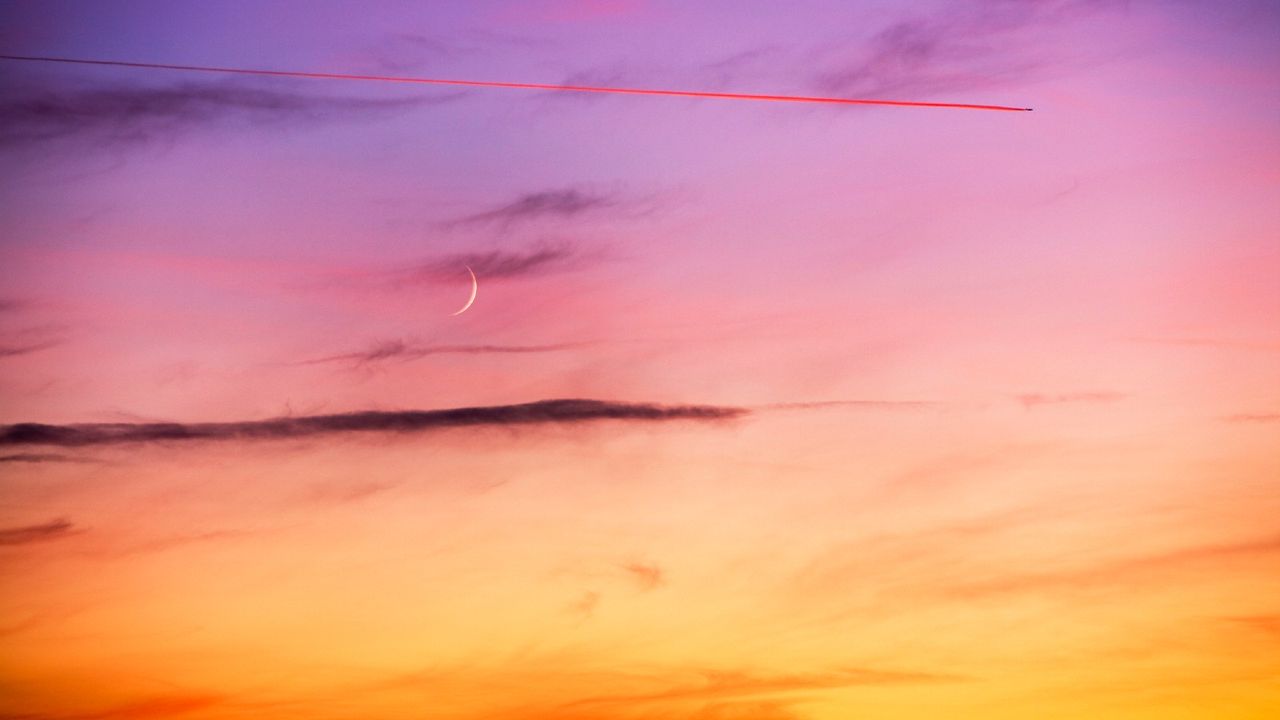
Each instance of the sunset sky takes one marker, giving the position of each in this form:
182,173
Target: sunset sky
763,411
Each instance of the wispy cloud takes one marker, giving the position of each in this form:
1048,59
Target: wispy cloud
1124,570
722,685
15,350
400,350
52,530
585,605
1269,624
751,61
1031,400
133,114
1253,418
398,52
161,706
1202,342
544,258
503,264
559,203
40,458
967,45
29,339
647,575
404,421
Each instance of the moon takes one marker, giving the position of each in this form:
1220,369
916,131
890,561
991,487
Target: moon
475,286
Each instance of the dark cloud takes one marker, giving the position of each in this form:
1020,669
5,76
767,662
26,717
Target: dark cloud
400,350
51,530
132,114
549,203
499,263
542,412
495,264
15,350
965,46
38,458
1031,400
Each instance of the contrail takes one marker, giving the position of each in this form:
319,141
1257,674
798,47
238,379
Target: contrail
524,86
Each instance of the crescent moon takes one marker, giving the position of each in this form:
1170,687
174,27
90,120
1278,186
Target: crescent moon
475,286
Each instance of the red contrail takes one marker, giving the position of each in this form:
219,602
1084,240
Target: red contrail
524,86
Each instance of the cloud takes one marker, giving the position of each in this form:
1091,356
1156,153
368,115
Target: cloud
1254,418
495,264
1123,570
749,62
403,421
1031,400
39,458
134,114
52,530
347,492
163,706
401,52
161,544
561,203
1209,343
585,606
573,11
647,575
400,350
1269,624
15,350
968,45
721,685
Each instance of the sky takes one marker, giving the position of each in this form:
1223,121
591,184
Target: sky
762,411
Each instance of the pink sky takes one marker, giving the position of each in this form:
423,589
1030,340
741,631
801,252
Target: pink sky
899,412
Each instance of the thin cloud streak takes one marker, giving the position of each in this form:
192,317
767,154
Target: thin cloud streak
1122,570
521,85
718,685
542,259
133,114
52,530
400,350
1253,418
1031,400
967,47
40,458
561,203
568,411
500,264
648,575
16,350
